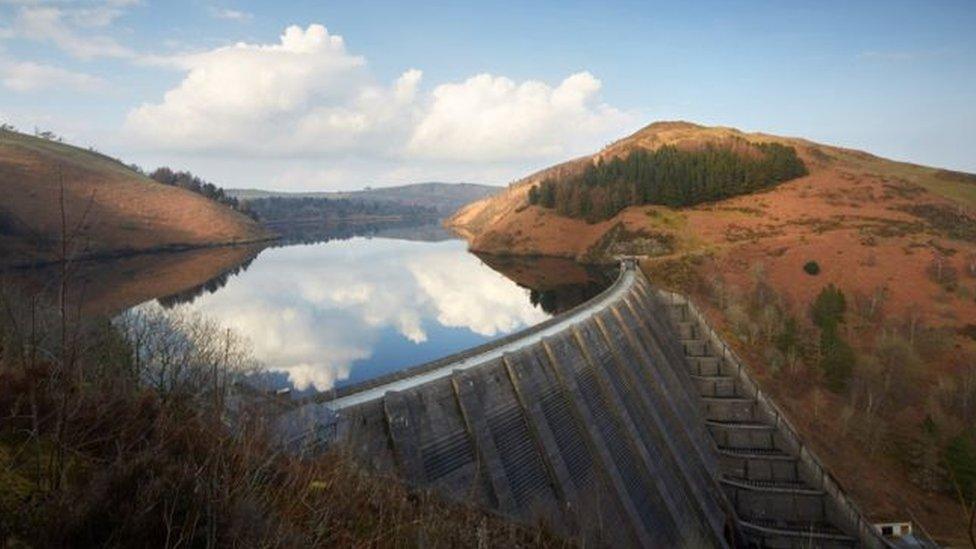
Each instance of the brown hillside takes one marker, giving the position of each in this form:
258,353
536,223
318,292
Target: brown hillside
109,208
506,224
898,239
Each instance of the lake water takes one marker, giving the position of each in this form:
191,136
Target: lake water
324,311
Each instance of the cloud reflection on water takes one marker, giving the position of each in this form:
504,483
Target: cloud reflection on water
318,312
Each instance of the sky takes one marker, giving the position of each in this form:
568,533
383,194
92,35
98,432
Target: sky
330,95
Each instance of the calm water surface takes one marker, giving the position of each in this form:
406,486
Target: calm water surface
329,314
333,311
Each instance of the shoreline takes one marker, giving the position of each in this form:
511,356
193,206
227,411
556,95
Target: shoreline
122,253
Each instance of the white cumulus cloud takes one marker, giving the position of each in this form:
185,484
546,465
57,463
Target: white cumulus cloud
303,94
494,118
307,95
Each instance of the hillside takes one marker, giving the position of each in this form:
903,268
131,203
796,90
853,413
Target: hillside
508,224
447,198
109,208
892,413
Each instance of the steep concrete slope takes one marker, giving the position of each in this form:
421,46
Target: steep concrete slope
622,423
109,209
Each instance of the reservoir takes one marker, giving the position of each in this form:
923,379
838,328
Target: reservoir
328,309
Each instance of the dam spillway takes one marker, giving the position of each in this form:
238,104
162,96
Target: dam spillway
624,422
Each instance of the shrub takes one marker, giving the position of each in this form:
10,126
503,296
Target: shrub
871,307
836,355
893,370
960,461
827,310
837,360
942,272
812,268
788,339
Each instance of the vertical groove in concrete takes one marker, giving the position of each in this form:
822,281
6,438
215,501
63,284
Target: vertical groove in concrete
402,424
657,376
660,328
488,459
666,384
366,436
447,450
669,361
637,426
596,507
663,344
607,466
642,333
517,445
615,429
675,447
542,435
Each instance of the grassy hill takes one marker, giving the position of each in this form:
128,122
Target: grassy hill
895,421
506,223
445,197
109,209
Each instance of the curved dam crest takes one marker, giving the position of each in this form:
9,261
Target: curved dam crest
623,422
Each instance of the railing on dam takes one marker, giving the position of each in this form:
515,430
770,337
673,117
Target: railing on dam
821,477
623,422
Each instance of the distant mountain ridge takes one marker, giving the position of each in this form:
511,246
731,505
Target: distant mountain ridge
446,198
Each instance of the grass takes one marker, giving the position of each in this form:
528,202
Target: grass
958,191
680,273
662,217
103,198
947,220
962,193
83,157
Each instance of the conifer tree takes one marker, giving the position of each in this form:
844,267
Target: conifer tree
668,176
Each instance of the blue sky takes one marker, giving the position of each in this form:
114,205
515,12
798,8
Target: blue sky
483,92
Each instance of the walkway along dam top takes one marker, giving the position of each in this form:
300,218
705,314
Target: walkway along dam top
625,422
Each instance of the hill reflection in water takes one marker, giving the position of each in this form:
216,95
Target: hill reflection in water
341,308
555,284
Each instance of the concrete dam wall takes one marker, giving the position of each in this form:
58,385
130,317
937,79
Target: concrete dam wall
624,422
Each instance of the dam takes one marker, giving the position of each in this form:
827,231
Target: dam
624,422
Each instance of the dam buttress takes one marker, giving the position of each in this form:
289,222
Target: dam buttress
623,422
